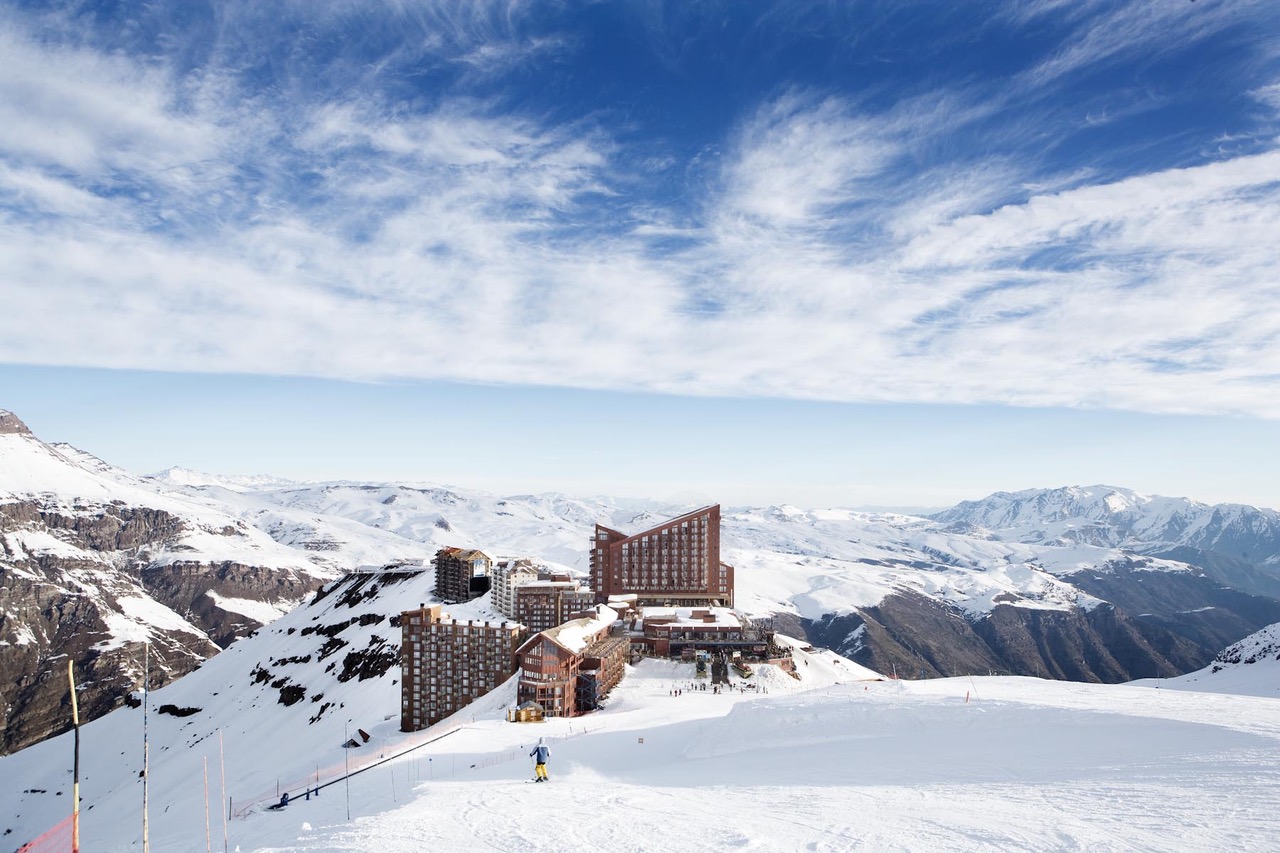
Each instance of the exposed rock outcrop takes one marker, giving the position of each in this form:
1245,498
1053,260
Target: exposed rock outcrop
91,578
914,635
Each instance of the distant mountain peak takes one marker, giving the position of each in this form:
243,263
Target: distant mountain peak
11,424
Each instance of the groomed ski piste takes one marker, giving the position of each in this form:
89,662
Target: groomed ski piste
837,764
837,760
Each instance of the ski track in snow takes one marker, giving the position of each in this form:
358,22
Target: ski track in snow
829,762
878,766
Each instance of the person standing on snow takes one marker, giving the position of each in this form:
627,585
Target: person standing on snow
540,754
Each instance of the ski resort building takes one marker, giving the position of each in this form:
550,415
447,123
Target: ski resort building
552,599
676,563
461,574
536,596
506,577
447,664
681,631
571,667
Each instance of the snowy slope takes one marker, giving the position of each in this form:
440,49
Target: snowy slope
834,762
1250,667
284,700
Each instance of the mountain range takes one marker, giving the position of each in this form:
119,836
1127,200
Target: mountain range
1085,583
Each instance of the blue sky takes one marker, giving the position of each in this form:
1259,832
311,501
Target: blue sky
861,253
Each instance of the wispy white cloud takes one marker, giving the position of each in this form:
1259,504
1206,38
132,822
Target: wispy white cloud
1100,32
154,219
1269,95
78,110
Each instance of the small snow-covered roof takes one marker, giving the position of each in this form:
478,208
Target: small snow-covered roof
576,634
724,617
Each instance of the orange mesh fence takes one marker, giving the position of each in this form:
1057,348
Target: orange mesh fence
55,840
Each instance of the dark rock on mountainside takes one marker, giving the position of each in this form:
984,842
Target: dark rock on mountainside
86,579
1228,571
112,528
69,625
185,587
1193,606
10,424
914,635
56,606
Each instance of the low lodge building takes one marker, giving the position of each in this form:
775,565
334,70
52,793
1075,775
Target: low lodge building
681,631
570,668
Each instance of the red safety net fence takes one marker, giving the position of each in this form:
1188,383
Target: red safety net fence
55,840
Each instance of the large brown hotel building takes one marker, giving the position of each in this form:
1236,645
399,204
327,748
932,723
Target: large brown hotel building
676,563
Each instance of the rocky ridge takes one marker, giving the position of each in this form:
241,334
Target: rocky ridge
92,568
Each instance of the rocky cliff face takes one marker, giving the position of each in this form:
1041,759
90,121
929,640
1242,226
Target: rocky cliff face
916,636
91,569
10,424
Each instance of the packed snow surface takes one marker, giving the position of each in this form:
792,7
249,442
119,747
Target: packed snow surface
1025,765
833,761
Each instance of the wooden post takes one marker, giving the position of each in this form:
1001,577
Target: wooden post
146,754
222,762
208,839
75,783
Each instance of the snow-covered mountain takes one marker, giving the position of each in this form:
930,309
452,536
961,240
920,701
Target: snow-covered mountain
894,591
95,561
1122,518
1007,585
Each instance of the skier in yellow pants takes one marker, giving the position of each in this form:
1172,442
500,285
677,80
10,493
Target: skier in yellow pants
540,754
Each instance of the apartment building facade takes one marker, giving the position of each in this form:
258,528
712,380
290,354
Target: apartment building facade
676,563
507,576
603,664
552,599
447,664
461,574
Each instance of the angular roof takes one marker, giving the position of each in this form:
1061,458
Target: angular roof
614,534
